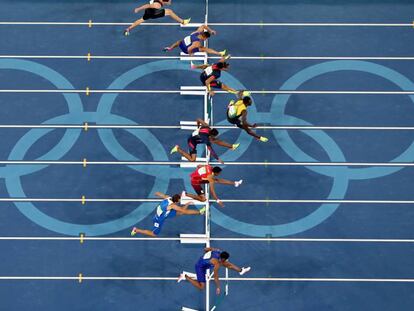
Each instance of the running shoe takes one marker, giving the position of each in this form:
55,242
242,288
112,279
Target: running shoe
238,183
174,150
264,139
181,277
244,270
186,21
133,232
235,146
126,32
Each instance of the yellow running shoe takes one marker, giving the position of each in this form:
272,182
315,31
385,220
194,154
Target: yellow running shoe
133,232
222,53
186,21
235,146
174,150
246,93
263,139
202,210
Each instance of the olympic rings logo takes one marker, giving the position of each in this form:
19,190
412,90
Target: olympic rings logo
341,176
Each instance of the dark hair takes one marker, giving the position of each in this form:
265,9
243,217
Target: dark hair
216,169
206,34
176,198
213,132
222,65
224,255
247,100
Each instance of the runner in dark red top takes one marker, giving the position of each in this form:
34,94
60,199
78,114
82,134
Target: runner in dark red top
203,135
205,174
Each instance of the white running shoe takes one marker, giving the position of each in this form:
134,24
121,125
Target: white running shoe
181,277
244,270
238,183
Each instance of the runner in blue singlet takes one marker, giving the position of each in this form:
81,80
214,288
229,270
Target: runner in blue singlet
213,258
193,43
168,208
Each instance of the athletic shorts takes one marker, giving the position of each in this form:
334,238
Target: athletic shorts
184,48
235,121
157,226
192,146
201,271
198,188
153,14
215,83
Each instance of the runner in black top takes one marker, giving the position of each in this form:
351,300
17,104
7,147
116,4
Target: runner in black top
211,74
153,10
203,135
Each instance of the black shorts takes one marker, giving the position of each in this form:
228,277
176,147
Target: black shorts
235,121
153,14
192,146
215,83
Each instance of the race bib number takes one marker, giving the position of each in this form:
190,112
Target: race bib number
207,255
208,70
232,112
187,40
202,170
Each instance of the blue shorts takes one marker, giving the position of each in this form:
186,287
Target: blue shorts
201,271
157,226
184,48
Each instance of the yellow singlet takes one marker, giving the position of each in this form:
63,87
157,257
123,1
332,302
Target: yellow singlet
236,109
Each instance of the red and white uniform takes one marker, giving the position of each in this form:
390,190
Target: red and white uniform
199,176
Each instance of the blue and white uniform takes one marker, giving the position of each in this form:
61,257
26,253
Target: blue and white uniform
161,214
188,41
203,264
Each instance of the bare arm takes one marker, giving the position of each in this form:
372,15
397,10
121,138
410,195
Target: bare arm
213,191
161,195
204,66
216,276
205,27
201,122
247,126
